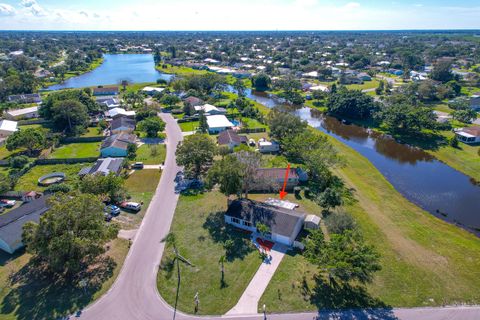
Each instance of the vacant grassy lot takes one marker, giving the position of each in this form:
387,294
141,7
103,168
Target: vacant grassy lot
24,294
200,231
366,85
189,126
151,154
425,261
179,70
77,150
141,186
29,181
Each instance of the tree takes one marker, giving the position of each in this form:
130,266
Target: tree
344,258
70,116
464,115
340,222
407,119
131,151
5,184
299,147
195,153
31,139
261,81
250,163
170,100
351,103
331,197
70,235
109,188
228,174
239,87
284,125
262,228
202,123
151,126
453,142
442,71
82,96
18,162
380,89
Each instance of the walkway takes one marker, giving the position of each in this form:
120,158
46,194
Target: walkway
248,303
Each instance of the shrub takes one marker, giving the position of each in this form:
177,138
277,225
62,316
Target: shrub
340,222
18,162
62,187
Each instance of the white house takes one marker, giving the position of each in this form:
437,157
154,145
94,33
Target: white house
7,128
119,112
265,146
152,90
208,109
469,135
319,87
284,224
26,113
218,123
312,74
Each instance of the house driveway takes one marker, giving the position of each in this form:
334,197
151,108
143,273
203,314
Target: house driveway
248,303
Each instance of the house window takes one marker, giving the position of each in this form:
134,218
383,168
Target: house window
235,220
247,224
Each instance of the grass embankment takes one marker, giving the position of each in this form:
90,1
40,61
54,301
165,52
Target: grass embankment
25,295
200,231
425,261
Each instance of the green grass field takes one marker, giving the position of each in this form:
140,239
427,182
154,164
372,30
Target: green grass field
144,154
366,85
77,150
189,126
180,70
29,181
199,229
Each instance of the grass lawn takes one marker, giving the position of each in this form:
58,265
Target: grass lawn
24,295
141,187
144,154
77,150
189,126
425,261
92,132
29,181
252,123
366,85
199,228
179,70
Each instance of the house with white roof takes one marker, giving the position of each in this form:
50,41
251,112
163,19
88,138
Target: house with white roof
218,123
312,74
26,113
7,128
152,90
208,109
119,112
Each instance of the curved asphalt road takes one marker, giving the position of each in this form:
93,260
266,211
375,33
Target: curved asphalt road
134,294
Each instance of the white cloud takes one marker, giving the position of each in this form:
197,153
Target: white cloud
83,13
34,8
352,5
28,3
6,10
306,3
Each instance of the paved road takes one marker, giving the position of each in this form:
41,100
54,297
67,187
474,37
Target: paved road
134,294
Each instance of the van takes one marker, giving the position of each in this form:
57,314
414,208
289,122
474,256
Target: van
132,206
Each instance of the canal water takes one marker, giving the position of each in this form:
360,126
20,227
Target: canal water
432,185
135,68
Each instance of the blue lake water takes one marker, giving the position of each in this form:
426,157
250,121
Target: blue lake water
135,68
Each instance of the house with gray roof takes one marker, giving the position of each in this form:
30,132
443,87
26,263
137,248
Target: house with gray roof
12,222
122,124
284,224
104,167
117,145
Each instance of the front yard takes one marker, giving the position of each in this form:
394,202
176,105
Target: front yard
151,153
188,126
200,232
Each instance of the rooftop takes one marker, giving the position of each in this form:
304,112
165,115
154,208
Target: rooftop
218,121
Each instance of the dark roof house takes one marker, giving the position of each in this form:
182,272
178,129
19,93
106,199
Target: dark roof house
25,98
193,101
230,138
284,224
122,124
272,179
12,222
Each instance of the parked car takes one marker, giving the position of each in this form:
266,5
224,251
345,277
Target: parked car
112,210
179,177
108,216
137,165
7,203
132,206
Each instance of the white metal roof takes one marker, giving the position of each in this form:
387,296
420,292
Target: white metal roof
19,112
281,203
150,89
7,125
206,108
218,121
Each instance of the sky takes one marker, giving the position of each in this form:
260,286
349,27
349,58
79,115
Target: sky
238,14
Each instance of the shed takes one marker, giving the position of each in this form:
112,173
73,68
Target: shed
312,222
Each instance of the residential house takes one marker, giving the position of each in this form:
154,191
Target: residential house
12,222
364,76
265,146
284,224
475,102
119,112
218,123
104,167
109,101
25,98
272,179
193,101
312,74
152,90
26,113
106,91
208,109
117,145
231,139
122,124
7,128
468,135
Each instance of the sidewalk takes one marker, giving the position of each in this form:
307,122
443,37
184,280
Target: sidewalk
248,303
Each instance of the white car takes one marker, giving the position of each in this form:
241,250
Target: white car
7,203
133,206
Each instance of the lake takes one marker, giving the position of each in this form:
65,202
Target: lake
418,176
135,68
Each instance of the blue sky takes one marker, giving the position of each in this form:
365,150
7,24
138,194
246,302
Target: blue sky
238,14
